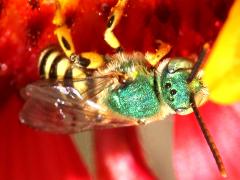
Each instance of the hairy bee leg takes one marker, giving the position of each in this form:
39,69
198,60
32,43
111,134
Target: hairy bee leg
90,60
113,20
154,58
62,32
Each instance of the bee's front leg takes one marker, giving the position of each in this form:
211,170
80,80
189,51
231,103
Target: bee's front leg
154,58
62,31
113,20
90,60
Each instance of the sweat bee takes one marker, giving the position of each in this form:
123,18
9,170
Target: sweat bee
85,91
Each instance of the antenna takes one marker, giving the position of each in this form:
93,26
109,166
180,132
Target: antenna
198,63
208,138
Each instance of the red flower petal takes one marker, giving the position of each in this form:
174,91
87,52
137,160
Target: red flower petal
24,32
119,155
192,157
27,154
165,20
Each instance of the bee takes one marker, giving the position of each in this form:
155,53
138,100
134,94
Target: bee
78,92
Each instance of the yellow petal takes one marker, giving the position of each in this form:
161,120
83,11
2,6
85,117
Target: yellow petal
222,70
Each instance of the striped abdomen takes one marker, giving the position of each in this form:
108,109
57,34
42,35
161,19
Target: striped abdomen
54,65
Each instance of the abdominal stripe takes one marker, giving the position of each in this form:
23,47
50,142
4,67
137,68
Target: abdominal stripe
43,61
53,69
68,78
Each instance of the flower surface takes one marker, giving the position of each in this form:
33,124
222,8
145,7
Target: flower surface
222,68
26,28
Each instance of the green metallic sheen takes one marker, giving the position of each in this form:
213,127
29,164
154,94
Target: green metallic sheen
177,81
136,99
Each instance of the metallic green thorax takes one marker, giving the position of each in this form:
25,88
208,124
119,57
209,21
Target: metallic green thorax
149,93
136,99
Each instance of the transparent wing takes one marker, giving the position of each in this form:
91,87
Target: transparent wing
52,107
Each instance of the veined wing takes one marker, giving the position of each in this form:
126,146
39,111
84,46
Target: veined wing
63,109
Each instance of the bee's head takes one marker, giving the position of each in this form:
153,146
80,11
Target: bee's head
181,87
177,89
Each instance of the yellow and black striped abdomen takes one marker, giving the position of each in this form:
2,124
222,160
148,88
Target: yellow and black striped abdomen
73,76
54,65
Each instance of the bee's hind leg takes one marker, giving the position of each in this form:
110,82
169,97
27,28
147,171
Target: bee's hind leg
154,58
91,60
113,20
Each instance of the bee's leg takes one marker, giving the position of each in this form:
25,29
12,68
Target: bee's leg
63,32
65,40
154,58
113,20
93,60
90,60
